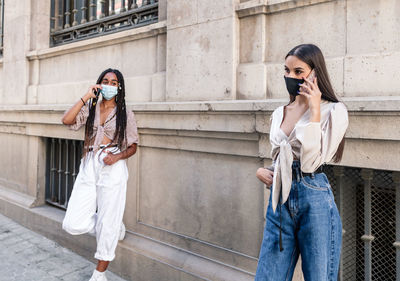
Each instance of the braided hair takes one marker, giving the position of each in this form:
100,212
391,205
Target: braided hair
121,118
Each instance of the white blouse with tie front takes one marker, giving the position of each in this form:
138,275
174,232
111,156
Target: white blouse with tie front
313,143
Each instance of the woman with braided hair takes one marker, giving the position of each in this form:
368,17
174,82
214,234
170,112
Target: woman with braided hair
97,200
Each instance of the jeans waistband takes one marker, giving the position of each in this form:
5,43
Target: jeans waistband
298,174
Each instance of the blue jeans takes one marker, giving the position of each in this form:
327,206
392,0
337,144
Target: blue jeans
311,227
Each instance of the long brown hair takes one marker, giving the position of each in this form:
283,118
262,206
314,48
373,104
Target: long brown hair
312,55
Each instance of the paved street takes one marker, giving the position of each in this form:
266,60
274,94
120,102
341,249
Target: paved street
28,256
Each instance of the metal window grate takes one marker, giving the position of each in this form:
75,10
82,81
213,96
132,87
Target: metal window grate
62,166
74,20
1,26
384,228
367,203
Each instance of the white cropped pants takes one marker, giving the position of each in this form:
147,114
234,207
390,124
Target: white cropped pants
97,202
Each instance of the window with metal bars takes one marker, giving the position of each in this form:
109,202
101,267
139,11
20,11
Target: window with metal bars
73,20
1,26
62,166
367,203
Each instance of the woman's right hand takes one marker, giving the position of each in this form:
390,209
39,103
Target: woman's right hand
69,117
266,176
90,93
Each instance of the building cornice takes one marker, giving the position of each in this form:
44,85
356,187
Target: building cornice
257,7
379,104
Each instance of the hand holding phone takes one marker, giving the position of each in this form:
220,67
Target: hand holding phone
93,91
310,77
96,92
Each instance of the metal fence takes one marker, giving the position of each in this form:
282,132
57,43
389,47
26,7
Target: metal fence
62,166
369,205
73,20
1,26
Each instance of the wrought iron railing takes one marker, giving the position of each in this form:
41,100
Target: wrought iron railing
62,166
1,26
73,20
369,205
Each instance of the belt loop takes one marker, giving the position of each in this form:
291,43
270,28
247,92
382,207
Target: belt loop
312,175
298,171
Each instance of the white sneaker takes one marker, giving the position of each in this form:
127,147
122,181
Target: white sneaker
122,232
98,276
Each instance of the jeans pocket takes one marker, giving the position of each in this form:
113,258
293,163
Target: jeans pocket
318,182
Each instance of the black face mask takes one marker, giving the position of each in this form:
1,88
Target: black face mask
292,85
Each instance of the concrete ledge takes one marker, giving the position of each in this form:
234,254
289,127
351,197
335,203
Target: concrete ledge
17,198
354,104
257,7
139,258
208,127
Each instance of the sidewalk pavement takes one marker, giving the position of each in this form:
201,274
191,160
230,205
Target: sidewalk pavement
28,256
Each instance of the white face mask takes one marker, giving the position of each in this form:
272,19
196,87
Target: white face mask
108,92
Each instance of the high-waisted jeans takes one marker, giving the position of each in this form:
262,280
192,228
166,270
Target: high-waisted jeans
311,227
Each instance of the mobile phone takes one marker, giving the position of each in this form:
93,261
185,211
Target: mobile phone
312,75
96,92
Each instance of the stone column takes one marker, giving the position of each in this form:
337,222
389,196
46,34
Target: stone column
16,44
39,39
27,27
202,50
252,70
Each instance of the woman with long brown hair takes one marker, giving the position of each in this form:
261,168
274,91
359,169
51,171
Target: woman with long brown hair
97,200
302,217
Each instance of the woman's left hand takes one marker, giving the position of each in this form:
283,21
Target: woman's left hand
310,90
110,158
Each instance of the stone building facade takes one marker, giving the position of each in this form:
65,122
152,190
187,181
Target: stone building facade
203,78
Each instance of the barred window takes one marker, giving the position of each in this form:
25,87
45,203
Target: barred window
74,20
367,203
1,26
62,166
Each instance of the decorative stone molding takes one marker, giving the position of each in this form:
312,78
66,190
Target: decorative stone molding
382,105
182,124
257,7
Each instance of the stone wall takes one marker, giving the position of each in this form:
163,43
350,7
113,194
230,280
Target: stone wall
359,39
202,82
